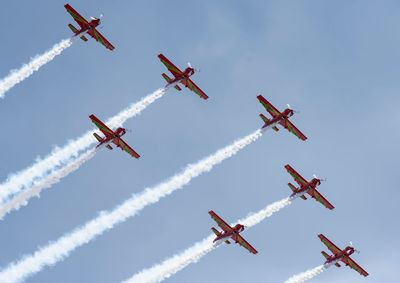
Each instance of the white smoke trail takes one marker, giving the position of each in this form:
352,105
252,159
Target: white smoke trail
46,167
17,76
307,275
22,198
172,265
60,249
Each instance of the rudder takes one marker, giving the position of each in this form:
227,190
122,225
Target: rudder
294,189
169,80
266,120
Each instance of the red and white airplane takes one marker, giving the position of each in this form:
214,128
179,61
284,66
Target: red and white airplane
181,77
341,255
278,117
112,137
309,187
87,27
230,233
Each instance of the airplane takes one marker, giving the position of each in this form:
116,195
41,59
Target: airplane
230,232
181,77
87,27
341,255
281,118
112,137
309,187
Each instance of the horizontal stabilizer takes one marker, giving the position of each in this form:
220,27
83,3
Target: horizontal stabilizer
169,80
165,76
337,264
325,254
227,242
84,38
215,231
74,29
265,119
98,138
292,187
275,128
303,197
109,147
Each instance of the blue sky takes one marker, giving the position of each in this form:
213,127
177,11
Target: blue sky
336,62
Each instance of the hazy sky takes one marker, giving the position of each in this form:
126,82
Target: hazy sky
337,62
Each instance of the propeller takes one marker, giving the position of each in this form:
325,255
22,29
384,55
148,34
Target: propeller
290,107
322,180
190,66
94,18
351,245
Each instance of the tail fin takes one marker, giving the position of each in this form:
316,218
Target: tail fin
215,231
100,139
74,29
168,79
294,189
325,254
266,120
84,38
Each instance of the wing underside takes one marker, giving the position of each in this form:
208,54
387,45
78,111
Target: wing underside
268,106
76,16
353,265
170,66
193,87
100,38
331,246
102,127
241,241
296,176
292,128
320,198
124,146
221,223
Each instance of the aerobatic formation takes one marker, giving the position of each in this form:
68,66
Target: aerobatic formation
45,173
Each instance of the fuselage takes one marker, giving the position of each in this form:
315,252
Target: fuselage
110,138
185,75
90,25
348,251
312,185
225,235
286,114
